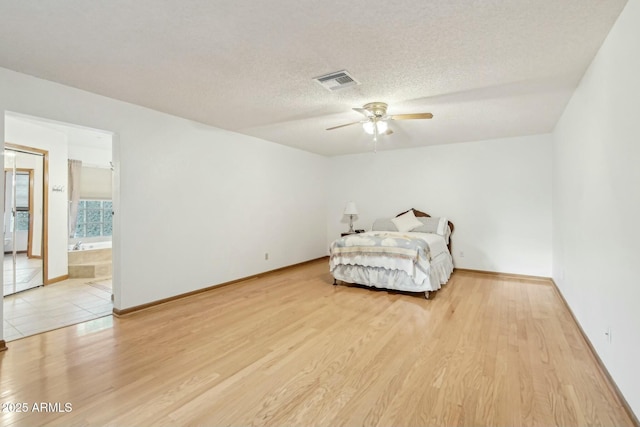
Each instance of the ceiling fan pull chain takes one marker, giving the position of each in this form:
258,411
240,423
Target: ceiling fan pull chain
375,137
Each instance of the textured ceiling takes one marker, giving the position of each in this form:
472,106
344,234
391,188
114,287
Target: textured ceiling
484,68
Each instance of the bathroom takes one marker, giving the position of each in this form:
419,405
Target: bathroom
73,286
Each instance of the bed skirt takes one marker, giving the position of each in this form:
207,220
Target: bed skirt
439,272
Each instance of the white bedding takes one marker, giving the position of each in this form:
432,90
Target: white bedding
428,272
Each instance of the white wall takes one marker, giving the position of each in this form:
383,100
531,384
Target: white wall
596,241
91,156
497,193
195,205
32,135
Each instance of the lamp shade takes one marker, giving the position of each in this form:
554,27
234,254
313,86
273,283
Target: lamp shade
351,209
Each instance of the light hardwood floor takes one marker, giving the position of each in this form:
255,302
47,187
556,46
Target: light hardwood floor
289,348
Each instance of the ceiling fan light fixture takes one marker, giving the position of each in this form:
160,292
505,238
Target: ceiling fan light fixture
368,126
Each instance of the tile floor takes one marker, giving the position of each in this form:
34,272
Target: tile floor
54,306
28,273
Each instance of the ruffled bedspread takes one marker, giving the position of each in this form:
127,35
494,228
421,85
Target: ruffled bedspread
392,260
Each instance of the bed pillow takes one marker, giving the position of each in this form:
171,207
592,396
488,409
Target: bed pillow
406,222
428,225
433,225
443,226
384,224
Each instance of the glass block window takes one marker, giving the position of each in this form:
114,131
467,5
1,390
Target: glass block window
94,218
22,221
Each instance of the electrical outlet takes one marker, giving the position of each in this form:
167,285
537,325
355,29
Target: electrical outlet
266,256
461,254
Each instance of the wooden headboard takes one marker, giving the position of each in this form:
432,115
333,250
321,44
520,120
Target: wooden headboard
418,213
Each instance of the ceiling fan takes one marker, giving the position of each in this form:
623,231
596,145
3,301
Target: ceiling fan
376,119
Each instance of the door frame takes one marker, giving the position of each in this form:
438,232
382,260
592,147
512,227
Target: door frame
45,207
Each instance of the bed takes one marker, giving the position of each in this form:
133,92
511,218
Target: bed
411,253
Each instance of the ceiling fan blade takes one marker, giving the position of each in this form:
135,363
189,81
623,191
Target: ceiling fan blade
364,112
411,116
341,126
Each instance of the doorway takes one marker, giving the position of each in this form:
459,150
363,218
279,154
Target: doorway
23,220
63,300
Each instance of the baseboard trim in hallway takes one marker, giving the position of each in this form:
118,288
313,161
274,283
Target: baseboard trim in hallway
53,280
130,310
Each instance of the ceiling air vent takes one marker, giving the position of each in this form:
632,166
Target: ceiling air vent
337,80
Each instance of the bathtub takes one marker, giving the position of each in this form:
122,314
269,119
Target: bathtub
91,245
93,259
